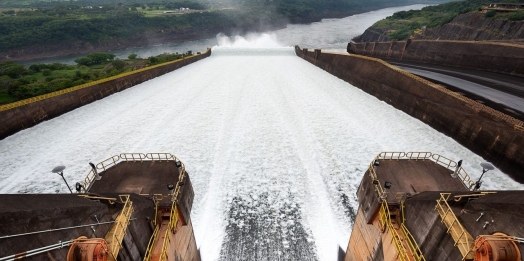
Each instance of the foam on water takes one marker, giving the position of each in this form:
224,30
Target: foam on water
275,148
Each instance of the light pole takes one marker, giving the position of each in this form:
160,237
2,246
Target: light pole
60,171
485,168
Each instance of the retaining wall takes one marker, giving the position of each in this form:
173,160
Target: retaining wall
497,57
27,113
493,135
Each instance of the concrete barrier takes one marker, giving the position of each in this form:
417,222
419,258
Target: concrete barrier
489,133
507,58
27,113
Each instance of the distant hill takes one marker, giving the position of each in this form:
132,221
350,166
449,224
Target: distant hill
32,29
462,20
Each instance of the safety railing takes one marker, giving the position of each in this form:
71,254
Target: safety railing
438,159
156,198
88,181
173,216
133,156
465,178
108,163
117,232
149,250
469,102
373,175
463,240
391,155
165,246
443,161
86,85
111,161
418,155
519,128
412,243
406,246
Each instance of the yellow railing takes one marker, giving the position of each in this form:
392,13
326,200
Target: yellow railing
418,155
117,232
399,235
443,161
391,155
151,244
111,161
173,216
86,85
412,244
438,159
165,245
519,128
465,178
173,219
463,240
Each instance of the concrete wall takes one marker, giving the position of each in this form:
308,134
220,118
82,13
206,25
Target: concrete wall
426,226
489,56
487,132
23,213
27,113
365,242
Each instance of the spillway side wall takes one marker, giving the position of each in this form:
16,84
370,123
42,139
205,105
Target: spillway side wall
27,113
482,130
489,56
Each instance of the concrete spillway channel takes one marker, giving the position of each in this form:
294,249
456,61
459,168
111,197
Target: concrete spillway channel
275,148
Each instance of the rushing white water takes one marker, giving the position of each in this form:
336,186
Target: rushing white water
275,148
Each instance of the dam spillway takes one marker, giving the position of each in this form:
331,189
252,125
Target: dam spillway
276,149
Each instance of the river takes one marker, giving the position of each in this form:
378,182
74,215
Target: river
327,34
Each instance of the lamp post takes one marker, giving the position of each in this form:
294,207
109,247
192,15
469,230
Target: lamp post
485,168
60,171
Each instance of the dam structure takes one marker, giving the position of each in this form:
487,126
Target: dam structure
276,149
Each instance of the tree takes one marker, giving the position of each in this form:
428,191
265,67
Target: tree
12,69
118,64
132,56
83,61
153,59
98,58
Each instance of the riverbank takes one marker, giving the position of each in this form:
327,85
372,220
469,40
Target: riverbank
180,35
150,38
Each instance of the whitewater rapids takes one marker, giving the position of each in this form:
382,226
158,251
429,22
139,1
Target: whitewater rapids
275,148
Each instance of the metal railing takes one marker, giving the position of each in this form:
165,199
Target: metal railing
438,159
173,216
134,157
86,85
443,161
405,252
149,250
418,155
465,178
412,243
165,245
463,240
117,232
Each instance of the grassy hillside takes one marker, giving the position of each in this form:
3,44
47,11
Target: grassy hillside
403,24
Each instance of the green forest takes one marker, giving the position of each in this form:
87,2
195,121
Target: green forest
402,25
25,23
18,82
